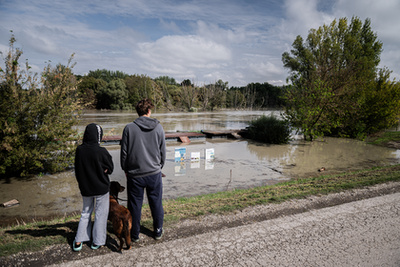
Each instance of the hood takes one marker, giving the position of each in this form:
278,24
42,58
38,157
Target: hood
93,134
146,123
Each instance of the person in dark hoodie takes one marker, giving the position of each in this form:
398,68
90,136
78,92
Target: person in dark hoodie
93,164
142,158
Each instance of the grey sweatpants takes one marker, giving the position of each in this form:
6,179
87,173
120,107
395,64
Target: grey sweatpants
100,204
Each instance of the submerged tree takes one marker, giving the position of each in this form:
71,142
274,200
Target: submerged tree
334,73
36,119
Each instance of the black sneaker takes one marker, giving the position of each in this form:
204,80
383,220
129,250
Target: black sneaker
159,235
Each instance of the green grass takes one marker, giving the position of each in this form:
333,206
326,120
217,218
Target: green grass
382,139
34,236
241,198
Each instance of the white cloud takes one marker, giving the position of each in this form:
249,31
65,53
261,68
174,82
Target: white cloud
182,55
236,41
385,21
220,35
384,15
300,17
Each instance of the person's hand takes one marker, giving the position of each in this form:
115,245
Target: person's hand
106,170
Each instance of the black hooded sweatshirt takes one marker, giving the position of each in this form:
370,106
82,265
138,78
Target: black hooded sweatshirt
91,162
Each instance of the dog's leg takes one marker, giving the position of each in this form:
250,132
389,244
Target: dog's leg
118,228
127,231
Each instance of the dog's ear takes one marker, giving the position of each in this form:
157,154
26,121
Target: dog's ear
121,188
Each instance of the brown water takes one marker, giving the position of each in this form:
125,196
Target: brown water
237,164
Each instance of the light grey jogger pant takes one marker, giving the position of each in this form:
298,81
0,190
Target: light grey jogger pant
101,205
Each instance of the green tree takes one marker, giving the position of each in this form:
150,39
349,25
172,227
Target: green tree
189,94
166,80
107,75
113,96
256,95
37,115
168,86
382,104
140,87
175,91
310,107
333,74
268,95
235,99
89,87
218,94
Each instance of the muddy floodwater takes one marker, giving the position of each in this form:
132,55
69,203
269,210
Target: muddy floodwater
238,163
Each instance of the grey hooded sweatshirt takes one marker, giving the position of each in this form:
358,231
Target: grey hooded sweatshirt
143,147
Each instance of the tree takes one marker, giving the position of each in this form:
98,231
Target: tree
164,85
175,92
140,87
382,103
267,95
218,94
310,109
205,95
250,96
166,80
89,88
189,94
113,96
235,99
213,95
107,75
37,115
255,95
333,74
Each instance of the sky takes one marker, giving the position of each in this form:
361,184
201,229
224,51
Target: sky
236,41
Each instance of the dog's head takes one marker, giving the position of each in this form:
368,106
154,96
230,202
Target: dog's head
116,188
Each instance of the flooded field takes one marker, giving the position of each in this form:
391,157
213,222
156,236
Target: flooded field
237,164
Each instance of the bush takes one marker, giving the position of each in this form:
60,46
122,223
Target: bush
269,130
36,118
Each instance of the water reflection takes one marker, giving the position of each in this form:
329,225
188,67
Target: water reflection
237,164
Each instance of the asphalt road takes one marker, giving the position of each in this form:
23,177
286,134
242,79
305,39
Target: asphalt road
359,233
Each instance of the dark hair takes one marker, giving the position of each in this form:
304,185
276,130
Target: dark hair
143,107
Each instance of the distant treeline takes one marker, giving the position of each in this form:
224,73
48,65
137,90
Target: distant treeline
105,89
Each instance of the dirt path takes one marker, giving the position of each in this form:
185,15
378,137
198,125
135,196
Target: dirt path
255,225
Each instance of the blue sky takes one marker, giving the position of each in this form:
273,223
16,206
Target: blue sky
236,41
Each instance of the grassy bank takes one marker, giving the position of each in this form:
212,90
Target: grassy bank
35,236
387,139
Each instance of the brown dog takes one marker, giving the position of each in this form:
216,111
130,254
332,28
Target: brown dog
119,216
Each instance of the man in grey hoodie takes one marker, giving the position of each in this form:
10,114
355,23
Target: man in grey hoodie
142,158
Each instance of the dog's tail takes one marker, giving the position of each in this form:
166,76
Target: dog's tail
127,231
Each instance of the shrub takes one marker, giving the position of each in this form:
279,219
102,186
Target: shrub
269,130
36,118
